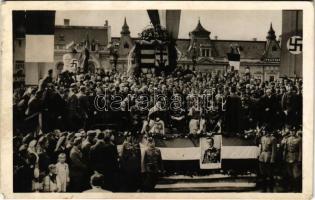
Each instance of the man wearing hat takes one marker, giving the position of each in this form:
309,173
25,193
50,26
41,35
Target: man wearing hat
153,166
267,156
77,167
86,145
292,153
86,148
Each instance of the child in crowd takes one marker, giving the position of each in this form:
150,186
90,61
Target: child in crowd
50,181
62,173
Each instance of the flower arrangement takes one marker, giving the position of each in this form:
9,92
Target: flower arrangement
154,33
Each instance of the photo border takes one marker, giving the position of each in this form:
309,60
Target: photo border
6,91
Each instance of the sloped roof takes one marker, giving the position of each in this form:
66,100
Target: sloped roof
200,30
182,45
248,49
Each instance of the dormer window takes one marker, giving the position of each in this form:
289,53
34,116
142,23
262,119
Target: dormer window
205,52
274,48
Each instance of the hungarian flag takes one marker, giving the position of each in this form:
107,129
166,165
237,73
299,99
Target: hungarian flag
39,36
234,59
147,55
291,43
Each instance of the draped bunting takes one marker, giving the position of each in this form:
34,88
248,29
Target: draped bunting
166,18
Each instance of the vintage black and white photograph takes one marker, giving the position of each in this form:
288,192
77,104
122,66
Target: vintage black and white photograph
114,101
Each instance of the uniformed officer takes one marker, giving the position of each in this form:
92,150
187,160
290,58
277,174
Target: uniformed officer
292,154
266,159
212,154
153,166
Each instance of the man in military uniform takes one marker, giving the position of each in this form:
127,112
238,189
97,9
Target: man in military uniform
212,154
266,159
153,166
292,154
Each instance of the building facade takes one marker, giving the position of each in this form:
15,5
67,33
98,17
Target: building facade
200,52
206,54
203,53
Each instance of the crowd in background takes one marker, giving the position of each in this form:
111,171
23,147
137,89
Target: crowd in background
59,145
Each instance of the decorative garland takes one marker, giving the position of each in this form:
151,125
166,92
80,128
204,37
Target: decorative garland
154,33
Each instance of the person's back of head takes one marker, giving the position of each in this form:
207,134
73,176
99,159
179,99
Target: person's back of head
100,136
50,72
97,180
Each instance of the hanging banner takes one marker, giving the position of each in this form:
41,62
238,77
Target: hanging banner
291,60
210,152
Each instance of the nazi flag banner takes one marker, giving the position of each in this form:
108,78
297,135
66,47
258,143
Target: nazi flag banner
295,45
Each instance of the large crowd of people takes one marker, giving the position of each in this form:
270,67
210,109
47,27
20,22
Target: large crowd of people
66,128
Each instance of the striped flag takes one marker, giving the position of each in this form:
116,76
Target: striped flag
291,44
39,37
147,56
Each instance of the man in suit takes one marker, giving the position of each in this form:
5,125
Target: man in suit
266,159
290,104
212,154
292,154
110,157
269,109
84,106
86,148
97,160
73,109
233,112
77,167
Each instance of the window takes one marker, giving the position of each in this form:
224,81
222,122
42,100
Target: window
126,46
205,52
274,48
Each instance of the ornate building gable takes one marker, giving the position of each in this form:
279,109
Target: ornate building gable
272,49
200,42
125,43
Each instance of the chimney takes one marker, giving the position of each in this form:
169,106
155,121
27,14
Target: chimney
254,39
66,22
216,37
106,23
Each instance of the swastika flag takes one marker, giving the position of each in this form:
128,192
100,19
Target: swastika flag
291,44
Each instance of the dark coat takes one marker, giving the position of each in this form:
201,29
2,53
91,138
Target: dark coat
233,114
268,109
97,157
77,166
